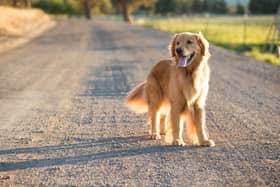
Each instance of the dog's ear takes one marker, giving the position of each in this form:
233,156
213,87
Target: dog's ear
172,46
203,43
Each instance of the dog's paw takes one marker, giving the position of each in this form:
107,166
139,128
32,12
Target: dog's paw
179,142
162,132
194,143
168,138
208,143
155,137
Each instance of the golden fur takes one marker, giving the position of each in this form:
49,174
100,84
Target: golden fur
174,95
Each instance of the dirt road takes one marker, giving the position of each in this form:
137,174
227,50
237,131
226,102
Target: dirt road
63,122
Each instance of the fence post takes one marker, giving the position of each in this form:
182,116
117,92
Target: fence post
277,25
272,40
245,17
207,24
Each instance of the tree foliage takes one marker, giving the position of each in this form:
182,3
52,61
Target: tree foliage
240,9
176,7
162,7
100,7
17,3
57,6
166,7
264,6
129,6
216,6
95,7
199,6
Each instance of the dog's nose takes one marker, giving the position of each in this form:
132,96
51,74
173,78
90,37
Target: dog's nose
179,50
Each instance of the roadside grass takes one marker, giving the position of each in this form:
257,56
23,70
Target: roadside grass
226,31
17,22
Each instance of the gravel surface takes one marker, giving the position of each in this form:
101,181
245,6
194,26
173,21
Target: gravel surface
63,122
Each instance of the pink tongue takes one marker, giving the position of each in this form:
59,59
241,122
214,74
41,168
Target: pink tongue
183,61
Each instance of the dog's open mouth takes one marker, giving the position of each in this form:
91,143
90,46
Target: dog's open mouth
184,61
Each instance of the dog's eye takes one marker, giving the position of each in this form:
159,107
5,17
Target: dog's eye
177,43
189,42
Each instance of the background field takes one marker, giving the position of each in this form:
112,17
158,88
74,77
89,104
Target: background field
248,35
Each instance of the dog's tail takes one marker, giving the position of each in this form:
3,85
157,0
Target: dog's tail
135,99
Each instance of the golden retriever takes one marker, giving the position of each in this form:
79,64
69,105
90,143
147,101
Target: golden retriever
175,92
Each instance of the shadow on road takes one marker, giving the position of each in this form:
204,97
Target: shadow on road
131,48
82,144
110,80
37,163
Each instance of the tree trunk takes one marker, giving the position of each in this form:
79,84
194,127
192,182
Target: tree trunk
126,12
87,9
28,3
14,3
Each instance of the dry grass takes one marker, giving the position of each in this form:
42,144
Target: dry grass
19,26
17,22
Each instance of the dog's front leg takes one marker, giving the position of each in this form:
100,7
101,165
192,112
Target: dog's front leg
200,124
176,125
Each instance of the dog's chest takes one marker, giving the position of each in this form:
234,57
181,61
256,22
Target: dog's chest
190,88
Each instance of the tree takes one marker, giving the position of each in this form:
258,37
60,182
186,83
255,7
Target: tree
198,6
185,6
28,3
213,6
105,6
14,3
263,6
240,9
217,6
128,6
95,7
87,8
165,7
18,3
221,7
21,3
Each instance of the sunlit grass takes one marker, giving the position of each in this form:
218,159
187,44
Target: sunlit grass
267,57
228,32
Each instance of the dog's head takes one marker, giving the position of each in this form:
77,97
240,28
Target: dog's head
188,48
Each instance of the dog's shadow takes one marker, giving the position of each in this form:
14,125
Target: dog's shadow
116,152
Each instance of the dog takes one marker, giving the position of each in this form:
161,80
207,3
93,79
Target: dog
175,92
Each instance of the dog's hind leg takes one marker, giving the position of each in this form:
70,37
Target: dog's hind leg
154,118
153,97
163,123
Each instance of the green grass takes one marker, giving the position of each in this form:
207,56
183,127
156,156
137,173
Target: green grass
227,32
267,57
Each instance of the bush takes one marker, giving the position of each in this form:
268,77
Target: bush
56,7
